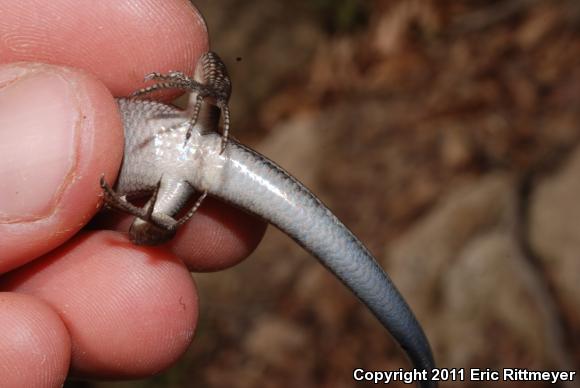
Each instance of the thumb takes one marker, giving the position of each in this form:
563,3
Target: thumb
59,131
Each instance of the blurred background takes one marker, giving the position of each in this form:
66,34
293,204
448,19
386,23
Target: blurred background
444,134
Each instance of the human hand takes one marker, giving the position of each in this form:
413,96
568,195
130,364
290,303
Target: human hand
89,299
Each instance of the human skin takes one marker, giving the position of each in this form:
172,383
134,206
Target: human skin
87,298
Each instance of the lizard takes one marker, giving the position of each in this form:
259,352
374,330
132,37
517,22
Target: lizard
172,154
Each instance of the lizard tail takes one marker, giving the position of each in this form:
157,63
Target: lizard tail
254,183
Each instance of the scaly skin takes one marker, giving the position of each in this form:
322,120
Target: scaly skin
156,156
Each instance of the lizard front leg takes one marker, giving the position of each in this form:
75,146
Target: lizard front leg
211,80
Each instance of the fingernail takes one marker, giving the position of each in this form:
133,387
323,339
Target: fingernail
38,121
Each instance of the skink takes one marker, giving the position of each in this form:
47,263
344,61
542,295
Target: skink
171,154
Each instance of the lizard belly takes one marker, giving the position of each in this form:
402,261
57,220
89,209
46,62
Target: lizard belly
249,180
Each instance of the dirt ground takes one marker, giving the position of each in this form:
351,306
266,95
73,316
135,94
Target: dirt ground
444,134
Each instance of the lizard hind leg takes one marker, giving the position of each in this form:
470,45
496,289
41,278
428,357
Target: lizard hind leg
170,197
145,213
118,202
192,211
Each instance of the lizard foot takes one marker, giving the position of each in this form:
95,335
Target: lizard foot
191,211
171,80
118,202
171,76
146,233
178,80
214,82
162,221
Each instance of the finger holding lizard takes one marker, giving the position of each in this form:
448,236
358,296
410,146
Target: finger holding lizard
60,130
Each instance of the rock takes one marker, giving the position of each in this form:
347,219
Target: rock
419,258
555,232
274,340
464,273
497,305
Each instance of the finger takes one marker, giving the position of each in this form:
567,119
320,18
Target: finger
34,341
130,311
119,41
59,131
218,236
